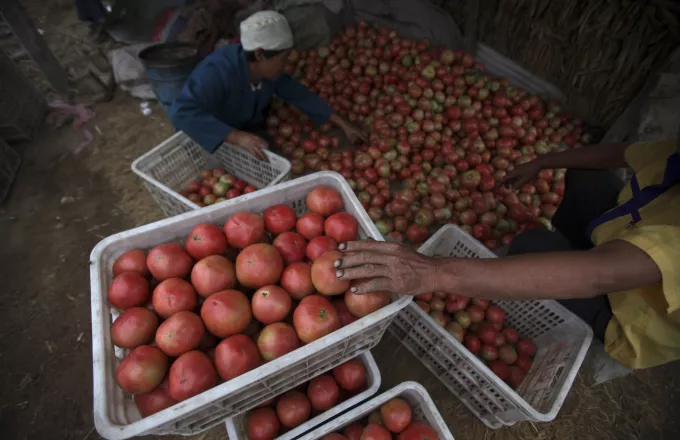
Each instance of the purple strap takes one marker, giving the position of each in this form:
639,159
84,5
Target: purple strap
641,197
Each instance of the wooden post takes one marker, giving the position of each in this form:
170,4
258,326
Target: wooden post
471,25
18,20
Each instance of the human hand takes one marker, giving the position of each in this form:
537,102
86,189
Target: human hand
521,174
253,144
354,133
385,266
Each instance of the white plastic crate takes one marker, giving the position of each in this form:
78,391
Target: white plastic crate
424,410
168,168
115,414
561,337
236,426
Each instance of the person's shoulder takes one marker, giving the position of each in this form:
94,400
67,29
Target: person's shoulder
228,56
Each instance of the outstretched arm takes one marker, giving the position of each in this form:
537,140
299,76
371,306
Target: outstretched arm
611,267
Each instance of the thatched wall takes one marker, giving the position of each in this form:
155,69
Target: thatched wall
598,52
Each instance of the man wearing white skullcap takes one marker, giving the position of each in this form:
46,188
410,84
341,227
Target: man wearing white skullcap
227,95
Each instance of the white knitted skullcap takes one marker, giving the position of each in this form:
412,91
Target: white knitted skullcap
266,30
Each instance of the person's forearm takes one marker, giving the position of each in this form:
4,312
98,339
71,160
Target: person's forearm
337,120
613,267
598,156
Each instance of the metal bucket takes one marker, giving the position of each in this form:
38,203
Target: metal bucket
168,65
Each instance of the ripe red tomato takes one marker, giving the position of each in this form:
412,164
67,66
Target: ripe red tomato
192,373
155,400
236,355
323,274
375,432
351,376
314,318
323,392
418,431
226,313
472,342
129,289
180,333
293,408
271,304
243,229
310,225
296,279
206,239
486,334
396,415
277,339
324,200
507,354
495,315
136,326
262,424
169,260
526,346
259,265
353,431
510,335
292,246
341,227
456,303
131,261
142,370
334,436
476,313
279,218
500,369
319,246
516,376
213,274
173,295
367,303
524,362
346,318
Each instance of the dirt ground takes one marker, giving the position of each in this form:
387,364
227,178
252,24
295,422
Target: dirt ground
64,202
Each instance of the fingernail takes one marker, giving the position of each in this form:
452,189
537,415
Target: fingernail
342,246
339,273
337,263
353,289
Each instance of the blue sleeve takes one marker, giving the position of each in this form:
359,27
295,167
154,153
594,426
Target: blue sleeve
298,95
193,110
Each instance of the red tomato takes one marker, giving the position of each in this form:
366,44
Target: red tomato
236,355
277,339
351,376
297,280
132,261
279,218
346,318
142,370
375,432
155,400
310,225
524,362
418,431
293,408
487,334
324,200
192,373
500,369
292,246
314,318
472,342
271,304
243,229
516,376
510,335
396,415
129,289
353,431
476,313
136,326
319,246
226,313
169,260
206,239
173,295
323,275
334,436
180,333
323,392
526,346
262,424
341,227
212,274
259,265
365,304
495,315
507,354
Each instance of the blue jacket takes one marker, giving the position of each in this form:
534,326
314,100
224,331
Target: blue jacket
218,97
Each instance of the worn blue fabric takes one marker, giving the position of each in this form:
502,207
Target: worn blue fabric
218,97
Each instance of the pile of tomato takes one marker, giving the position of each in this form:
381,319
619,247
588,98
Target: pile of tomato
480,326
215,186
394,419
443,135
231,299
295,407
